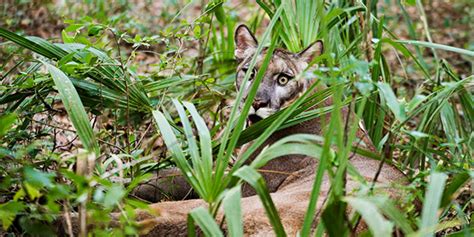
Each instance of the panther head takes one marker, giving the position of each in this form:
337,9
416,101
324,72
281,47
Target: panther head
279,86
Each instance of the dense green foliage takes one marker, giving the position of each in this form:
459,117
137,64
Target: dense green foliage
94,88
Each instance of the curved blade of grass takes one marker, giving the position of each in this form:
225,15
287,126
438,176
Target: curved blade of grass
51,53
233,211
404,50
325,156
192,150
429,214
75,109
437,46
205,221
388,208
205,145
301,144
456,183
378,225
266,8
255,179
178,156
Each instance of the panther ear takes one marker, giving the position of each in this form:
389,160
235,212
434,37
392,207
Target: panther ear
245,42
312,51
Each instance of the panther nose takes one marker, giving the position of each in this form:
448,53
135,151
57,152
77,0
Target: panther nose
257,104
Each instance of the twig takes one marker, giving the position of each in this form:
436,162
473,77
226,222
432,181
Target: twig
110,144
127,112
68,220
143,136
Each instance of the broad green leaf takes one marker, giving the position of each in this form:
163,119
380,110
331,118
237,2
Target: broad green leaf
8,212
6,122
113,195
38,178
333,218
391,100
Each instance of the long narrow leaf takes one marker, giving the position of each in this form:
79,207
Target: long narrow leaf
233,211
378,225
429,214
75,109
252,177
205,221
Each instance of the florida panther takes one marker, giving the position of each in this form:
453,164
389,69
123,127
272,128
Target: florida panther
291,177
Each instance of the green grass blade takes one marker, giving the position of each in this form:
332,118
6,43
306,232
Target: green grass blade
188,132
429,214
325,157
205,221
233,211
174,147
252,177
266,8
389,209
456,183
51,53
205,145
437,46
298,144
378,225
75,109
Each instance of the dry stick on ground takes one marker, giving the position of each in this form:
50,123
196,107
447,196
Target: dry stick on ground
84,167
68,220
143,136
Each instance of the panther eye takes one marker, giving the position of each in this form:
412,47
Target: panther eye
283,80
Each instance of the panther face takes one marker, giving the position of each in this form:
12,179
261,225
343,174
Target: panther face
279,86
